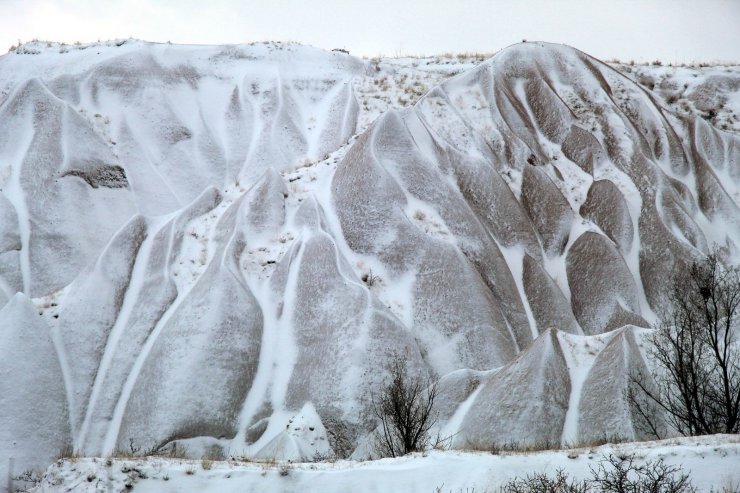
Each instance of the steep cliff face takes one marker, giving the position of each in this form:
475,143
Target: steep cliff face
218,250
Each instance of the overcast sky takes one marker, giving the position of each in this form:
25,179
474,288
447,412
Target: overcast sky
643,30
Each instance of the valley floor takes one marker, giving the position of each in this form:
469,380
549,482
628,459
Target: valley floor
712,461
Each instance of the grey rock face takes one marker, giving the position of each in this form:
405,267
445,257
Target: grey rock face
603,292
549,305
201,364
461,311
515,402
604,408
88,315
581,147
11,279
606,207
51,203
33,401
547,209
338,341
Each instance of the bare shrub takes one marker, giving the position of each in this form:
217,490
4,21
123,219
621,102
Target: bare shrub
614,474
623,474
404,407
514,447
67,452
25,481
370,279
541,482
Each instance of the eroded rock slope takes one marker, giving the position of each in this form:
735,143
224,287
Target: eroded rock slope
217,257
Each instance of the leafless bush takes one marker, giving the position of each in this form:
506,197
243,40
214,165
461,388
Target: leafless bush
28,480
370,279
404,407
624,475
613,475
541,482
513,447
67,452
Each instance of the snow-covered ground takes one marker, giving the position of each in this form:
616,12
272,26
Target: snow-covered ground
713,463
712,91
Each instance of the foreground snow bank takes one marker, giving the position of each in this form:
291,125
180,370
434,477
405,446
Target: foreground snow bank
712,461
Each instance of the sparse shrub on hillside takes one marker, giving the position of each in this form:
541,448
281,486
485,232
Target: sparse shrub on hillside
67,452
370,279
173,451
404,407
696,381
646,81
622,474
169,450
514,447
614,474
25,481
341,437
672,98
541,482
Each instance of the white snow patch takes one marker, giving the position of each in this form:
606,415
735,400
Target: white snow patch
711,460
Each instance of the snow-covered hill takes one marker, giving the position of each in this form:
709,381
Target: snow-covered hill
213,242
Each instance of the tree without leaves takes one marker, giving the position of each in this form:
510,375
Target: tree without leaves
696,378
404,408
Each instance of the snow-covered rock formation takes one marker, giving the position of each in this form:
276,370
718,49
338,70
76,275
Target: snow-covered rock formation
217,244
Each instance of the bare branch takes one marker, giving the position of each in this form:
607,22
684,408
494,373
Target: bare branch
404,408
696,377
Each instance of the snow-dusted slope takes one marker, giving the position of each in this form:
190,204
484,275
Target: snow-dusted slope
222,241
90,136
711,463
